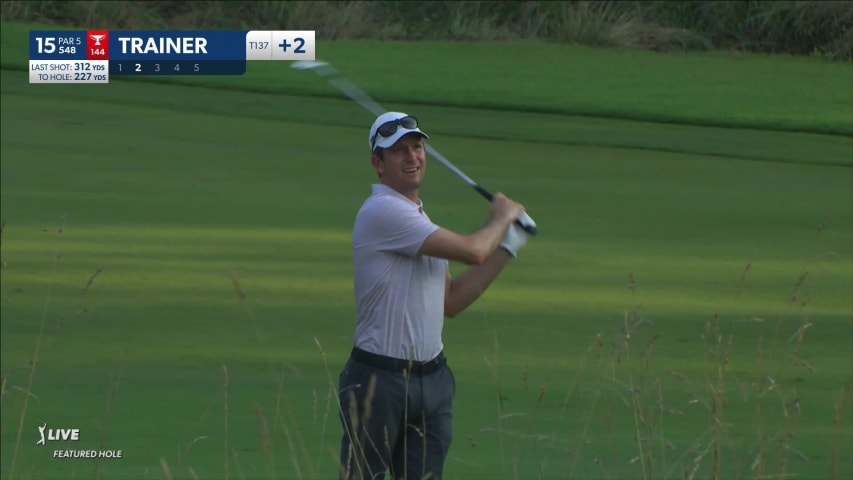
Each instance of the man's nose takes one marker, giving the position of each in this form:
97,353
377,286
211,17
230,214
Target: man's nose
412,152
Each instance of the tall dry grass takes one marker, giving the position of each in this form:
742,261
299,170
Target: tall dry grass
624,369
33,363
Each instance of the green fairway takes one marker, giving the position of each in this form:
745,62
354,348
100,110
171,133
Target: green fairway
749,91
172,250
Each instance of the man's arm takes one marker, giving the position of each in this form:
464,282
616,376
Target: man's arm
467,287
474,248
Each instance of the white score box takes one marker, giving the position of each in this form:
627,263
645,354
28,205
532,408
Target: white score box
293,45
69,71
259,45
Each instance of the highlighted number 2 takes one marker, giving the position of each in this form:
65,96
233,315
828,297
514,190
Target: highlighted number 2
301,42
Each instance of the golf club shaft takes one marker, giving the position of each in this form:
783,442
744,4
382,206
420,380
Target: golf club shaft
360,97
524,221
465,178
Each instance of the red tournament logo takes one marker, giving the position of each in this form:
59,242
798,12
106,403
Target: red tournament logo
97,45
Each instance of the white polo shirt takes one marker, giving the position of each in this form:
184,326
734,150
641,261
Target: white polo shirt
399,294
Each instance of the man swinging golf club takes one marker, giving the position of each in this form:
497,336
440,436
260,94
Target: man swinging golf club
396,389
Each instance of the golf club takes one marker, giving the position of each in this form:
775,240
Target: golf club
325,70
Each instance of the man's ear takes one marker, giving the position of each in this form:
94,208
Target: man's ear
377,163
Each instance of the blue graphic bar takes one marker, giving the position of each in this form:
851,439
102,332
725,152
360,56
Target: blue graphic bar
177,67
177,45
57,45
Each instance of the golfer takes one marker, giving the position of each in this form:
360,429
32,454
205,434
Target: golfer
396,389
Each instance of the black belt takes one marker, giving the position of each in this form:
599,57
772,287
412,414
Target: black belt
398,365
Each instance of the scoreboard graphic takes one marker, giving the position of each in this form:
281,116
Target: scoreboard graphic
92,56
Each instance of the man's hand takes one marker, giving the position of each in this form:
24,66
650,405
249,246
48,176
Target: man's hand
505,209
475,247
514,238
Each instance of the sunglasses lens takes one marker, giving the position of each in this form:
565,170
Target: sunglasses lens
388,129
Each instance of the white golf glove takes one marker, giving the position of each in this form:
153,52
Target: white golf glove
514,238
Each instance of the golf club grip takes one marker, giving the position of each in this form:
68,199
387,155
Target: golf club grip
528,227
531,229
482,191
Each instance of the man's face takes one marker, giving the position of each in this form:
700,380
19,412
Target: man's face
403,165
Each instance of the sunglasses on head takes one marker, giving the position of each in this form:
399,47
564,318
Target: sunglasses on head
390,128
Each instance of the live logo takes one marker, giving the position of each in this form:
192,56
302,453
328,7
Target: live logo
97,45
63,434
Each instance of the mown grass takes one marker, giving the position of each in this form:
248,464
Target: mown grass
689,239
747,91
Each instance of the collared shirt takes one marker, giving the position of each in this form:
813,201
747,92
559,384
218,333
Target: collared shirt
399,294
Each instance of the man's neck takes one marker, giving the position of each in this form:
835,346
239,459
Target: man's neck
411,195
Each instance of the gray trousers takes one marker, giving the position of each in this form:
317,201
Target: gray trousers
395,421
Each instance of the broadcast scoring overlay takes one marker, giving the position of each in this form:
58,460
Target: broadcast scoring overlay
92,56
